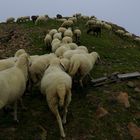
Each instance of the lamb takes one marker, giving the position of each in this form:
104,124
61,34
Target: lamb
38,67
56,86
77,35
13,89
10,20
82,63
41,20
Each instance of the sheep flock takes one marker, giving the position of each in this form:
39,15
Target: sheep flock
54,74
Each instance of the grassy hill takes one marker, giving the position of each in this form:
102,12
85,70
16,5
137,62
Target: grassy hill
117,54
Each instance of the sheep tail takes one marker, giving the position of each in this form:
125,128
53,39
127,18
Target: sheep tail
61,91
74,66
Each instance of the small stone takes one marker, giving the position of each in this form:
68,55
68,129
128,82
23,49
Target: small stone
130,84
101,112
137,89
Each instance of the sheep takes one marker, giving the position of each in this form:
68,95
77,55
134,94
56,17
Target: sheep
74,19
59,52
13,83
41,20
34,18
84,48
56,43
129,35
38,67
47,41
58,16
62,30
10,20
52,32
62,20
69,53
10,62
67,23
82,64
95,29
57,35
67,39
77,34
137,39
56,86
120,32
68,33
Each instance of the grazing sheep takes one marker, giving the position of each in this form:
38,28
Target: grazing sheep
58,16
74,19
67,39
38,67
129,35
10,20
34,18
82,48
41,20
67,23
56,86
56,43
62,20
82,64
19,52
96,30
47,41
13,83
120,32
137,39
77,35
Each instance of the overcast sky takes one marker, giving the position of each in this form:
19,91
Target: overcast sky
125,13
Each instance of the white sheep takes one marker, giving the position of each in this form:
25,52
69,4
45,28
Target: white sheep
13,83
41,20
56,86
52,32
10,62
74,19
127,34
38,67
69,53
59,52
82,48
82,63
67,23
137,39
56,43
57,35
120,32
67,39
68,33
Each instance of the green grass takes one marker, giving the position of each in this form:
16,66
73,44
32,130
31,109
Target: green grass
117,54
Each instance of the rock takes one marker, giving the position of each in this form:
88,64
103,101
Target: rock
137,89
130,84
134,130
101,112
123,99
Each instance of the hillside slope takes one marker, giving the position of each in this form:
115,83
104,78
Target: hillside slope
117,54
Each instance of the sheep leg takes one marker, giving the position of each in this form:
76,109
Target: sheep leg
81,82
15,112
54,110
67,102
